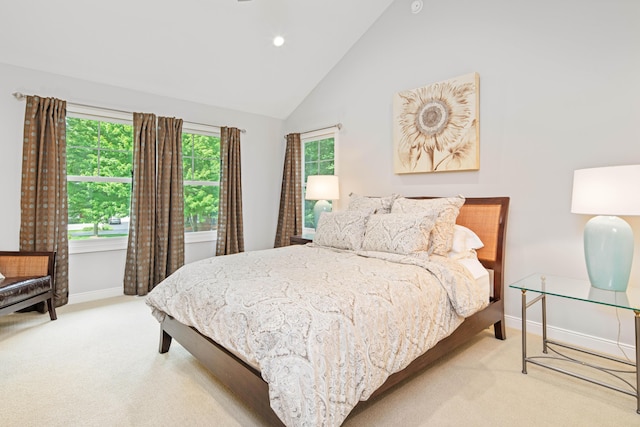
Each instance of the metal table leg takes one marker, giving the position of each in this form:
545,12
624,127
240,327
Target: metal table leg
526,305
524,331
544,323
637,313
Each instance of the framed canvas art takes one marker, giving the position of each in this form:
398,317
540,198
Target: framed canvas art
435,127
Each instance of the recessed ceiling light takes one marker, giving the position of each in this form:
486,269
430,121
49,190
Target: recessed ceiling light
278,41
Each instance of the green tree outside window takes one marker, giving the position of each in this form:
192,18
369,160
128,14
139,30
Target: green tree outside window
319,159
201,174
100,150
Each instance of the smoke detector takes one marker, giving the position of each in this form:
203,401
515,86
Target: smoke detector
416,6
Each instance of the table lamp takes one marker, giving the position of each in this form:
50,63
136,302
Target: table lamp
608,239
322,188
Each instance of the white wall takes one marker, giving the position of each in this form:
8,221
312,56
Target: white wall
100,273
559,91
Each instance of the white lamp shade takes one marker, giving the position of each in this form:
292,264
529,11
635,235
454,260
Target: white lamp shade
609,190
322,187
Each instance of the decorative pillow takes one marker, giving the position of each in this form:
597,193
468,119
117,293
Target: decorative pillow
404,234
444,211
376,205
341,230
465,242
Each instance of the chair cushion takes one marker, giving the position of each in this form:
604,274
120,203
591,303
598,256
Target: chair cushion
16,289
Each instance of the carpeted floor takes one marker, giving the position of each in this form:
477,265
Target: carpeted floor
98,365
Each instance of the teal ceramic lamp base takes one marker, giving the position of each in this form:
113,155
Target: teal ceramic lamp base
608,251
318,208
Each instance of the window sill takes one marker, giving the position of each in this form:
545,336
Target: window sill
97,245
200,236
120,243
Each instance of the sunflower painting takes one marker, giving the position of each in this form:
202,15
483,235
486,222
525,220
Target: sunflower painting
436,127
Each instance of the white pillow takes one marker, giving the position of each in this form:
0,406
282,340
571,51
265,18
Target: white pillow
444,211
371,204
403,234
341,230
1,276
465,242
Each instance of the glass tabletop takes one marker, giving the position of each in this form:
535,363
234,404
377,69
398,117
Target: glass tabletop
579,290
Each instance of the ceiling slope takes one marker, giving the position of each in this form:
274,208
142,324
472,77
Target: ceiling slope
215,52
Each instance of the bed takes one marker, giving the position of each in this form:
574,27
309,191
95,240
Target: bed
268,363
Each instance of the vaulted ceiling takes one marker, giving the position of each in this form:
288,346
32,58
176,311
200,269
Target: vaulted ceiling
216,52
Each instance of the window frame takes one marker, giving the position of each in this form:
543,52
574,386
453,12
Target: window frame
201,129
120,243
310,137
98,114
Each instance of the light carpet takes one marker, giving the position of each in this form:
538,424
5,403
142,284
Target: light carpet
98,365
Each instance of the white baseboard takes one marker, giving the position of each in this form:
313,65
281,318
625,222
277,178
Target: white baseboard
576,338
95,295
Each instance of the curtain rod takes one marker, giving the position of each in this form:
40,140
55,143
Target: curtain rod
20,96
337,125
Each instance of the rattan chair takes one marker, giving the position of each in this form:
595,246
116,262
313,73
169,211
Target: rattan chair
28,280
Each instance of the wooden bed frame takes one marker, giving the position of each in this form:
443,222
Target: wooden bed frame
487,217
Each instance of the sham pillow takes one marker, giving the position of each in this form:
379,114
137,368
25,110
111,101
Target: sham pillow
443,210
377,205
465,242
341,230
404,234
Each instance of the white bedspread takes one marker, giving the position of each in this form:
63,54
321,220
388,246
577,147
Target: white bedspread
324,327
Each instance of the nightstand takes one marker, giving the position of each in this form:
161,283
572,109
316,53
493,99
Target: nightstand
300,240
561,287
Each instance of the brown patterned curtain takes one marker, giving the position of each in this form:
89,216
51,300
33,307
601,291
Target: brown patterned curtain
43,221
290,216
139,267
169,254
230,230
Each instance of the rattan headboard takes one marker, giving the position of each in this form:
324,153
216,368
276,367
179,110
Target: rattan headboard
487,217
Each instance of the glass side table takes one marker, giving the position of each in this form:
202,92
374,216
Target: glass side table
581,290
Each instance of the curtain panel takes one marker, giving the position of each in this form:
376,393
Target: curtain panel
43,205
230,228
139,267
290,216
169,255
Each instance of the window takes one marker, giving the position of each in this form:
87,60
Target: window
99,170
318,159
201,174
99,159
